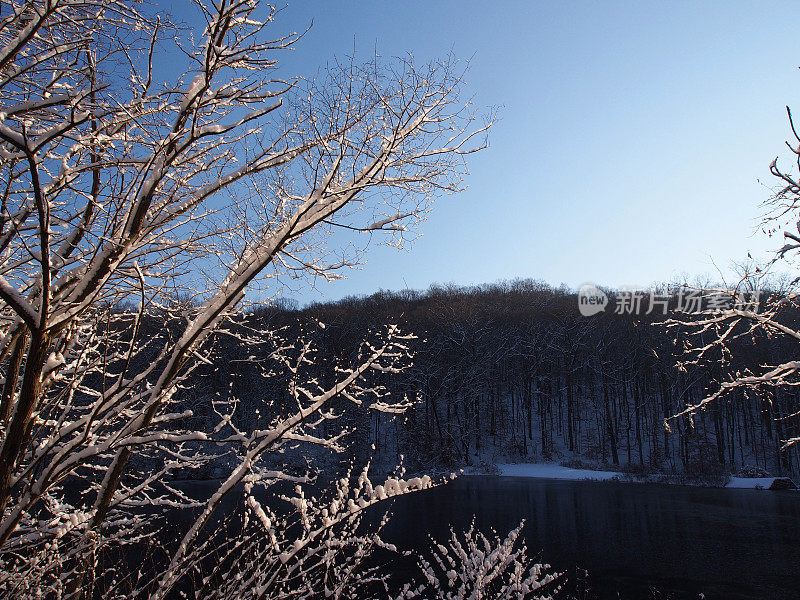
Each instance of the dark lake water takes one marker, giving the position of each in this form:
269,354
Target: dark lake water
635,541
631,538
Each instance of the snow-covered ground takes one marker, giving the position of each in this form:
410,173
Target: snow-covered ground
752,483
554,471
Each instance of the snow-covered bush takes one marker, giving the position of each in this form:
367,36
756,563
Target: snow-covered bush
752,472
472,566
301,547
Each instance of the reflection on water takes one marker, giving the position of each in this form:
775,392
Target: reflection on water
730,544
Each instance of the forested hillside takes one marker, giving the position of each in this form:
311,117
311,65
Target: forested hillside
513,372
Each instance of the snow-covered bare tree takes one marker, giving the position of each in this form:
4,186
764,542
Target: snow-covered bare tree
138,206
759,310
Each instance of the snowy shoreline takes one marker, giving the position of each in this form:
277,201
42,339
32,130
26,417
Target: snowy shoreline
555,471
559,472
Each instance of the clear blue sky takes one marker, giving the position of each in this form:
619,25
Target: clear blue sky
631,140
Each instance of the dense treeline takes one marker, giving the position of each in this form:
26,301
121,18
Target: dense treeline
512,371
